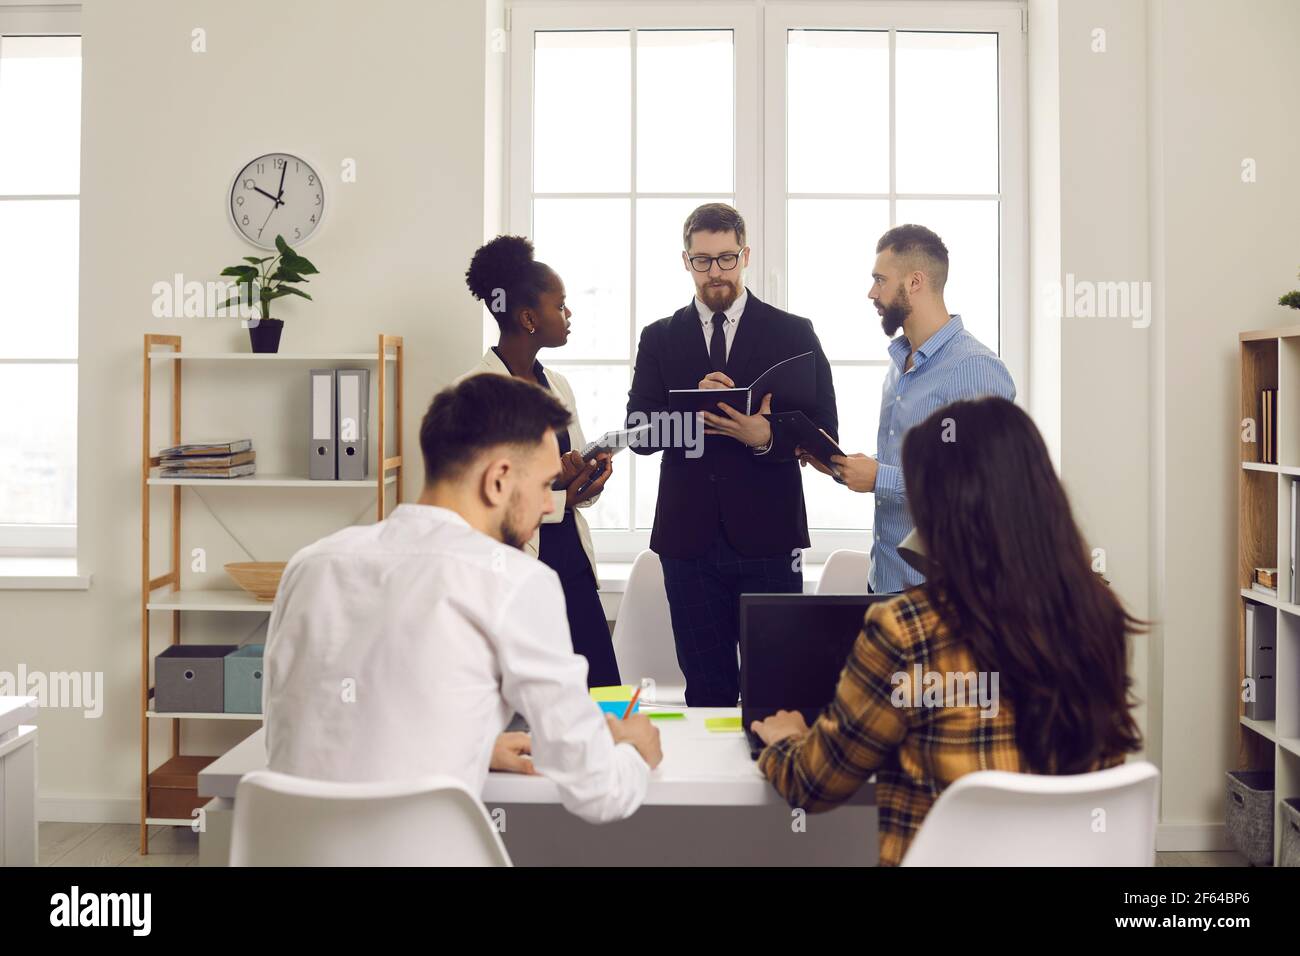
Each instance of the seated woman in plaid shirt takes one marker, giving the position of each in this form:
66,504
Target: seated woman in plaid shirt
1011,603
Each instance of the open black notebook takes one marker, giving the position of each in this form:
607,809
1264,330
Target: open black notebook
792,382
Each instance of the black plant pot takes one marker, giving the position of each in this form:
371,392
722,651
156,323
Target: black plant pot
265,336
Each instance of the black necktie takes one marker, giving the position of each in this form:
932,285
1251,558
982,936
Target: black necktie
718,343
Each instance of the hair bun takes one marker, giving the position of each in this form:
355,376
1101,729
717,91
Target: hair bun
500,264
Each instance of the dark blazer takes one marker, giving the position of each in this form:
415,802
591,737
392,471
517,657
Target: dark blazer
755,500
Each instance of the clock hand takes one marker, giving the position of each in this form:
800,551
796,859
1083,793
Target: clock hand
283,170
278,202
267,219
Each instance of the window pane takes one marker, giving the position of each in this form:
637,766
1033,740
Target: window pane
857,398
662,283
587,242
40,115
38,288
837,113
969,228
946,118
582,112
831,248
38,448
600,392
684,110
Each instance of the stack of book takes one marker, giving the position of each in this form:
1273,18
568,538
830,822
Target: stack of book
232,459
1268,425
1265,581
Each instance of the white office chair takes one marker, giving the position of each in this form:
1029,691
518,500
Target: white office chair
281,820
643,633
997,818
845,572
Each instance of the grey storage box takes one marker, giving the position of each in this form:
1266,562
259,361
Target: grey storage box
244,680
1290,853
1249,815
190,678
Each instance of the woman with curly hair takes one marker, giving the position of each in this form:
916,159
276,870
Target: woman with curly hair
527,299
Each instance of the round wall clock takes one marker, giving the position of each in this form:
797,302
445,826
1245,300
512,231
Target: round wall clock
277,194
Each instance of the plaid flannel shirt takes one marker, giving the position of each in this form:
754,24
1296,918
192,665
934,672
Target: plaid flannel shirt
871,726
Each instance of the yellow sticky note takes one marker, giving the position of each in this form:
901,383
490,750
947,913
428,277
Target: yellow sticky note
720,725
612,693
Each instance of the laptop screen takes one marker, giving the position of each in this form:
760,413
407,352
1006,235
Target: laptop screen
793,648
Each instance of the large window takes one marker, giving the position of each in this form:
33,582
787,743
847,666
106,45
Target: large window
40,128
624,117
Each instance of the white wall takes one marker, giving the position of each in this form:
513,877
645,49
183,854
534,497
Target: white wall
1152,135
1103,362
1230,86
398,87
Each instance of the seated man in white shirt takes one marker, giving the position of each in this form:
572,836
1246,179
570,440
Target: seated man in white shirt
403,648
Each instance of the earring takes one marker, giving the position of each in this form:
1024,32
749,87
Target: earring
532,330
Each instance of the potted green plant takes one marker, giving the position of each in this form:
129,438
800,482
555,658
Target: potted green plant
1291,298
263,281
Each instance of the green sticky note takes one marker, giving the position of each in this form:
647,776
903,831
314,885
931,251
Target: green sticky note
720,725
612,693
665,715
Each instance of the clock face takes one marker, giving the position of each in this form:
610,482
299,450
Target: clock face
277,194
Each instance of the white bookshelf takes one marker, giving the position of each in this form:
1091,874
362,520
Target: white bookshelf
163,593
1270,359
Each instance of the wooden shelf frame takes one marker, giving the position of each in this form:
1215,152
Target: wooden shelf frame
1270,358
387,471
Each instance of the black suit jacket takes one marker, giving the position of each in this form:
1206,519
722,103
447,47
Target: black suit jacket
755,500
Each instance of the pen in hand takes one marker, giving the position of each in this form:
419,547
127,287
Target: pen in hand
630,704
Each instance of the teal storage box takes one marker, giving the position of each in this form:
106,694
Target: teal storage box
244,680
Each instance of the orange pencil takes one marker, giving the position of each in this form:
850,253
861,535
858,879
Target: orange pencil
630,704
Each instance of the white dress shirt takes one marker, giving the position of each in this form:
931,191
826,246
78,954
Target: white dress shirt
403,648
728,326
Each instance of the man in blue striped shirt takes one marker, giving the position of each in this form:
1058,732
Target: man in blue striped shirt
933,363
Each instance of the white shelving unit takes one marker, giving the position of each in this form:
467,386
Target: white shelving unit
387,472
1270,358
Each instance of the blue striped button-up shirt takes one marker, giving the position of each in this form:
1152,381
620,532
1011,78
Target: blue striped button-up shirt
950,366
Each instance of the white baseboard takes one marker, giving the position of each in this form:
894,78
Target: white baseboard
56,809
1175,837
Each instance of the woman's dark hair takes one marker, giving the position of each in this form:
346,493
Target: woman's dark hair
504,276
1013,579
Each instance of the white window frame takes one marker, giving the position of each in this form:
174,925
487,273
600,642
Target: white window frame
40,540
1007,20
612,544
759,34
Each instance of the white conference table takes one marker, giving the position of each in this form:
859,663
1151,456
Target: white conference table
707,804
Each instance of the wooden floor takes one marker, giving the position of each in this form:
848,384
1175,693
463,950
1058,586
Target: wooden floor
118,844
115,844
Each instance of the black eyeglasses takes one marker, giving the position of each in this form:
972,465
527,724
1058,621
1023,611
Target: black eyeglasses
726,262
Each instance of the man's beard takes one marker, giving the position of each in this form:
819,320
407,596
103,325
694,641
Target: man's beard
720,298
895,314
514,533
